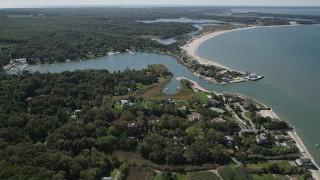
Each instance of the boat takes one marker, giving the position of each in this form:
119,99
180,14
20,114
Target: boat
317,145
111,53
179,88
254,77
165,90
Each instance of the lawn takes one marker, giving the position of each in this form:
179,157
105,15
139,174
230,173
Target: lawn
203,97
176,176
263,177
117,106
202,176
131,157
113,173
142,173
271,177
248,115
282,164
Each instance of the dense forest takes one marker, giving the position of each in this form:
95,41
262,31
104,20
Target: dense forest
50,35
66,125
57,35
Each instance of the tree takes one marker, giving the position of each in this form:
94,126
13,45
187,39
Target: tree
75,170
107,143
112,131
199,152
274,168
91,173
102,131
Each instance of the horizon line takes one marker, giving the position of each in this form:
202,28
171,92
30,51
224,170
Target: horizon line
155,5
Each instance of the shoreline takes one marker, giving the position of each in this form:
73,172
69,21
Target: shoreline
292,133
191,47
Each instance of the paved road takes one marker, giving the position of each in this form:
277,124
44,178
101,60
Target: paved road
241,123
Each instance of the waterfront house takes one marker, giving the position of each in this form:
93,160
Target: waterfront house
214,102
19,61
290,144
223,72
246,104
261,139
233,98
280,138
225,79
304,162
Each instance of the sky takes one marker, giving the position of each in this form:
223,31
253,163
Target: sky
46,3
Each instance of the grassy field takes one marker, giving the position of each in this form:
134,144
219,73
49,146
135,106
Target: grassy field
202,176
248,115
272,177
203,97
113,173
140,173
261,165
133,158
263,177
176,176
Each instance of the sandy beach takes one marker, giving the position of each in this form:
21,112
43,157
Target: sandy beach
268,113
195,84
192,47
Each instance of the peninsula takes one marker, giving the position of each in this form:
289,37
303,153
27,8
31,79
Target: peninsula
225,75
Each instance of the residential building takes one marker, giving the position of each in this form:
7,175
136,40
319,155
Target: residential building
261,139
229,141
